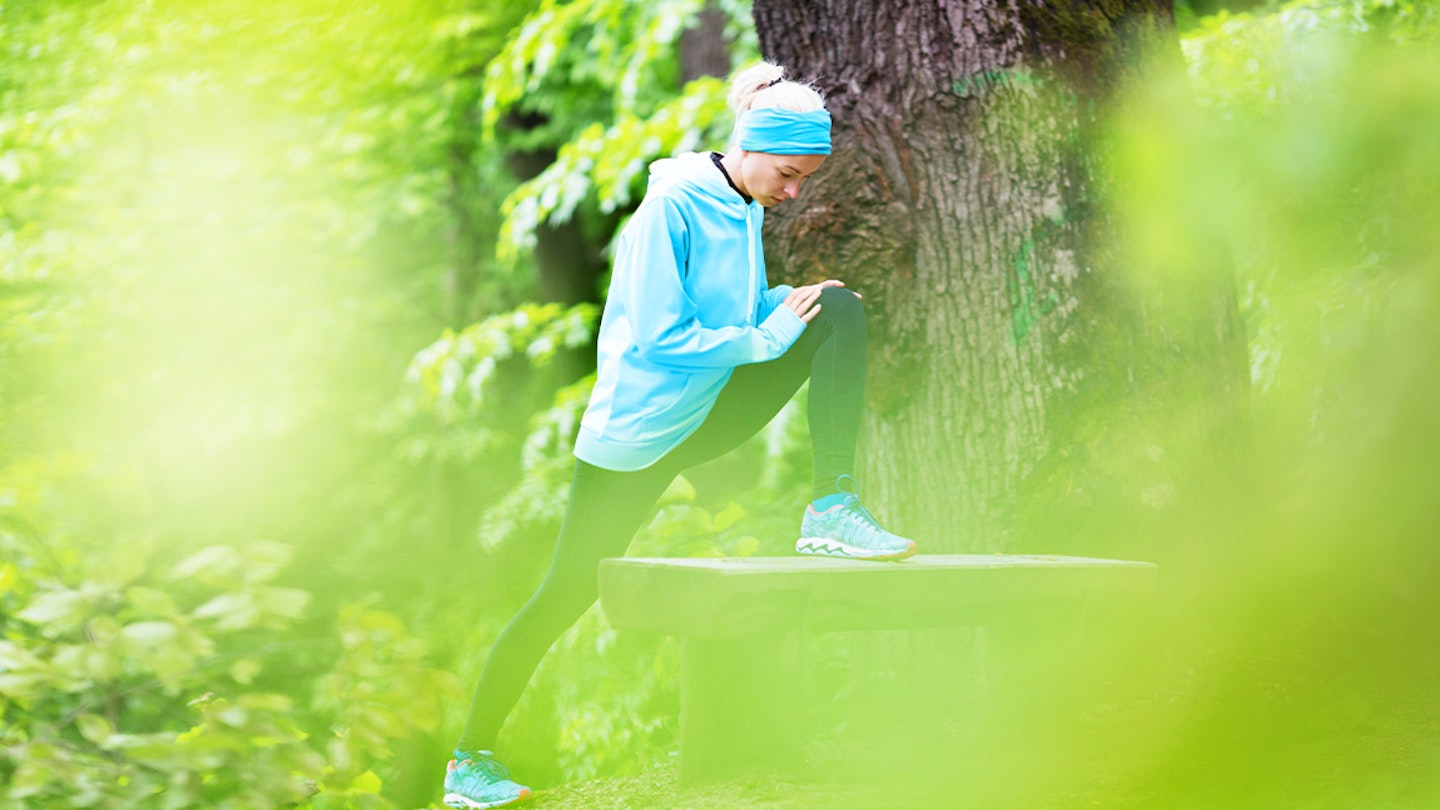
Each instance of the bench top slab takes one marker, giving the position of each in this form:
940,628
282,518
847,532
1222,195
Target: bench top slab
716,596
799,564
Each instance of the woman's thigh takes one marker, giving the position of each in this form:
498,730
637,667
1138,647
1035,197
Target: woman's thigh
752,397
605,510
756,392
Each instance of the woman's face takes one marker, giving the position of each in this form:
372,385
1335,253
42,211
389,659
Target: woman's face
773,179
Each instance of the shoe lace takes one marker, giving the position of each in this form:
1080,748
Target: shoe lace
854,508
486,767
856,511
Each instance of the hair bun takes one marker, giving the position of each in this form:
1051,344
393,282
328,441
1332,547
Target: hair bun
763,84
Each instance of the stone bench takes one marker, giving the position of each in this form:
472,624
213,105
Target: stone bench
743,624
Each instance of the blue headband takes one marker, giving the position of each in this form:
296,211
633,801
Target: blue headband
784,132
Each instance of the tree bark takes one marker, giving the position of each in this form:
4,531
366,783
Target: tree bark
704,47
961,200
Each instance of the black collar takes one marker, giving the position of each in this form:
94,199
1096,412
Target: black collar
715,158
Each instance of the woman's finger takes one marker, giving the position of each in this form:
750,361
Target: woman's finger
806,293
834,282
838,283
810,316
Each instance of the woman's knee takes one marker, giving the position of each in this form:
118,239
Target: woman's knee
841,306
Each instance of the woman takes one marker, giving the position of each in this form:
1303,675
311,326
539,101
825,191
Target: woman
696,355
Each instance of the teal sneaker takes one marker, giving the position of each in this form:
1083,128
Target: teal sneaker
475,780
849,530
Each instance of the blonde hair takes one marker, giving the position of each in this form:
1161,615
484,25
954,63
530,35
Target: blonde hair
763,85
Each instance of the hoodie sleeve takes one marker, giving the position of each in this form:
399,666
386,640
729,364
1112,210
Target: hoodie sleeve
649,279
772,298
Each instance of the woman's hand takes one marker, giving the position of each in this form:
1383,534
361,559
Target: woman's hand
803,301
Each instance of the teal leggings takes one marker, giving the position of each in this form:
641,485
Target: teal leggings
606,507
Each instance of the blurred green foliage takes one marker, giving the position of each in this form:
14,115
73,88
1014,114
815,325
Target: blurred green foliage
1288,666
603,76
285,435
224,229
130,680
228,231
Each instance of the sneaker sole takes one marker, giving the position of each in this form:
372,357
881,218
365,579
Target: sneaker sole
458,801
824,547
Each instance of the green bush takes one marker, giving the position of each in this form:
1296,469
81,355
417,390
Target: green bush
129,681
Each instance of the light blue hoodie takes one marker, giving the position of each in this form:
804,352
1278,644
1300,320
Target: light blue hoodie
688,303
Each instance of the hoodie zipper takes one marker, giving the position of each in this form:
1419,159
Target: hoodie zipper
750,318
750,250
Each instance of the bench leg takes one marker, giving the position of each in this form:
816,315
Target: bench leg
1034,692
740,704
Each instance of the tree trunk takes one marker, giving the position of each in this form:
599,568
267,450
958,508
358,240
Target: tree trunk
704,47
568,262
961,200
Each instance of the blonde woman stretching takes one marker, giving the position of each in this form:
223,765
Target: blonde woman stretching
696,354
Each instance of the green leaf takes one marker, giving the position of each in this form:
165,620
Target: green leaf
213,564
30,778
61,608
150,634
288,603
679,491
95,728
245,670
232,611
69,667
21,687
152,602
265,558
234,716
15,657
366,782
728,516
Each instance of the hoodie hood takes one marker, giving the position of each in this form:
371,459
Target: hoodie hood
697,174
